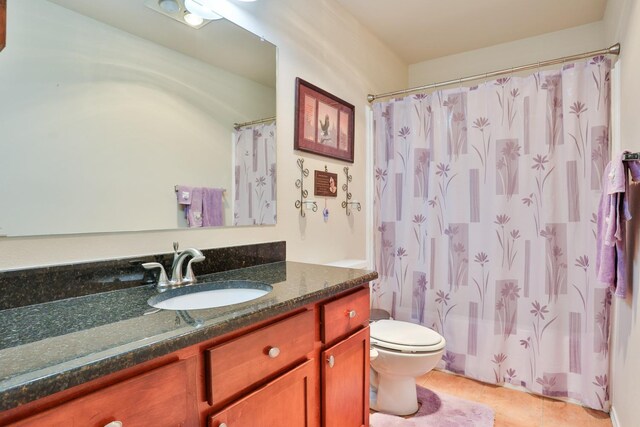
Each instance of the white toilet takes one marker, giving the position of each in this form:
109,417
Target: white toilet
400,351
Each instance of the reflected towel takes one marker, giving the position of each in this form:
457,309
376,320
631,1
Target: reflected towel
212,207
184,194
194,213
613,214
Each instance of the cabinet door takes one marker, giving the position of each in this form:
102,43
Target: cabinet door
290,400
345,382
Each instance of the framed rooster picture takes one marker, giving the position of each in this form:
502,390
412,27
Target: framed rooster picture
324,123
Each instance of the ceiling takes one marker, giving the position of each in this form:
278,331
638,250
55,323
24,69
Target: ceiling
419,30
219,43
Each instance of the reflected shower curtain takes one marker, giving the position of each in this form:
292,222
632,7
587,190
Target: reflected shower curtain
485,207
255,174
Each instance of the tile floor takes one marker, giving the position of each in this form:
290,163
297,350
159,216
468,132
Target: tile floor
515,408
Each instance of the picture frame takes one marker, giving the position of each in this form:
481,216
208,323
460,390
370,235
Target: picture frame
3,23
324,123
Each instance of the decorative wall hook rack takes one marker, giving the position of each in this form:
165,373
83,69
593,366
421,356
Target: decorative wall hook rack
301,203
347,204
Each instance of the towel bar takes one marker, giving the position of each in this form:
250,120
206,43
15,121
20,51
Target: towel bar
175,188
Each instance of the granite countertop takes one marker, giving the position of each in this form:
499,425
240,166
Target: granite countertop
49,347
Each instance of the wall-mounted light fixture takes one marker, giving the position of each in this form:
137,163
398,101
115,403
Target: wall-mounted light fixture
194,13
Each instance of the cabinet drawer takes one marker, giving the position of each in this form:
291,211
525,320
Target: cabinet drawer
240,363
344,315
162,397
290,400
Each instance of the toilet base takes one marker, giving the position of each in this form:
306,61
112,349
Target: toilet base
394,395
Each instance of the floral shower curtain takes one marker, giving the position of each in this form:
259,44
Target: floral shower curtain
255,174
485,208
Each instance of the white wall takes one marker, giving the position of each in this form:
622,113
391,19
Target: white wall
622,21
525,51
319,42
98,126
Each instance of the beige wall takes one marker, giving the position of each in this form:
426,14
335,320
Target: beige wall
321,43
526,51
623,24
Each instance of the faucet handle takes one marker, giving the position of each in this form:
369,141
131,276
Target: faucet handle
163,280
190,278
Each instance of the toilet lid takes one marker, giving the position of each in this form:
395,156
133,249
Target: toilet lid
405,336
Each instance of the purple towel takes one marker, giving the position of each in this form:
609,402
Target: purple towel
194,214
184,194
212,208
613,213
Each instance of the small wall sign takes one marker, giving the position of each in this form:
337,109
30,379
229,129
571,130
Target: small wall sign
325,184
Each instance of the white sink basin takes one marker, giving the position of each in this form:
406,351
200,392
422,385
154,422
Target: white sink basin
210,295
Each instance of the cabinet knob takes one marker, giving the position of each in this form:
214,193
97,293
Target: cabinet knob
114,424
331,361
352,314
223,425
273,353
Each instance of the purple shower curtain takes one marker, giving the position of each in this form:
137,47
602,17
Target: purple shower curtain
485,207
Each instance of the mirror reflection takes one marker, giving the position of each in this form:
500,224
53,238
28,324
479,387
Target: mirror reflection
115,116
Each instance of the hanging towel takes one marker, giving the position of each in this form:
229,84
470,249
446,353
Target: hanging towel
194,213
212,207
184,194
613,213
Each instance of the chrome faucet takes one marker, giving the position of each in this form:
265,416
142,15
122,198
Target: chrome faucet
176,269
177,279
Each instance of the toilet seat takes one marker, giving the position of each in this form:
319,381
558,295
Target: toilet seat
405,337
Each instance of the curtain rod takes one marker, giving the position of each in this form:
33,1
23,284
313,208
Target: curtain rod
613,50
254,122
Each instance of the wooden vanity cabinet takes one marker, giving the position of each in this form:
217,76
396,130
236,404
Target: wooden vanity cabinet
306,368
291,400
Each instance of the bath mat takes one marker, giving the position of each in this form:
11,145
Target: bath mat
438,410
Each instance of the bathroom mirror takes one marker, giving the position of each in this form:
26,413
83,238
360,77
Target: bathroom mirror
107,106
